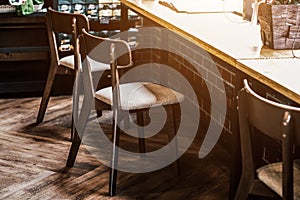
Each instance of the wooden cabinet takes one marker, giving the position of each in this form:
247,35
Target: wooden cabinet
24,54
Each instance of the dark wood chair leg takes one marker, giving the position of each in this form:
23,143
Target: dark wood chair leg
126,121
171,134
72,128
140,123
76,141
114,160
244,187
75,103
99,113
79,129
46,94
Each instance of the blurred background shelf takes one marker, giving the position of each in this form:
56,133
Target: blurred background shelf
24,51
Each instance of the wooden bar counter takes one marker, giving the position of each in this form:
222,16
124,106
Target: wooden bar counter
227,39
226,36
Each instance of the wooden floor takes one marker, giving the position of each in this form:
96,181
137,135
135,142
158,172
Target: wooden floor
33,158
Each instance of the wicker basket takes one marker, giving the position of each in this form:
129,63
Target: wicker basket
280,25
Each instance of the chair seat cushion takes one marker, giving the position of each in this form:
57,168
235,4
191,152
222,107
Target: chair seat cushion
68,61
98,66
271,175
140,95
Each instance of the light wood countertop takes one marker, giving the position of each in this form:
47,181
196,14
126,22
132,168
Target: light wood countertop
281,74
226,35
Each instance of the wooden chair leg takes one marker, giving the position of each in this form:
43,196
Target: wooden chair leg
46,94
114,159
126,121
171,134
72,128
243,188
140,122
79,131
76,141
75,103
99,113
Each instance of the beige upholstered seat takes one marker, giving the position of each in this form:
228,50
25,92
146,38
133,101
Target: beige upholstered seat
68,61
271,175
280,123
97,66
141,95
135,97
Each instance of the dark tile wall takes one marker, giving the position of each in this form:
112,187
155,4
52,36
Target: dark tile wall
204,72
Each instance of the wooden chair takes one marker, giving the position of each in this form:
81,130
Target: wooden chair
280,122
62,23
135,97
72,24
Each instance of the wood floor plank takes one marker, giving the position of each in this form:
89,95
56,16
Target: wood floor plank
33,158
8,192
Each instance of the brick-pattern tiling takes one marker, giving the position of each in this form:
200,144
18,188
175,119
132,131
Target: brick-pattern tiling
196,66
204,78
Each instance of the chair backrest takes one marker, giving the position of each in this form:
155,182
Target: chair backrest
278,121
65,23
113,52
